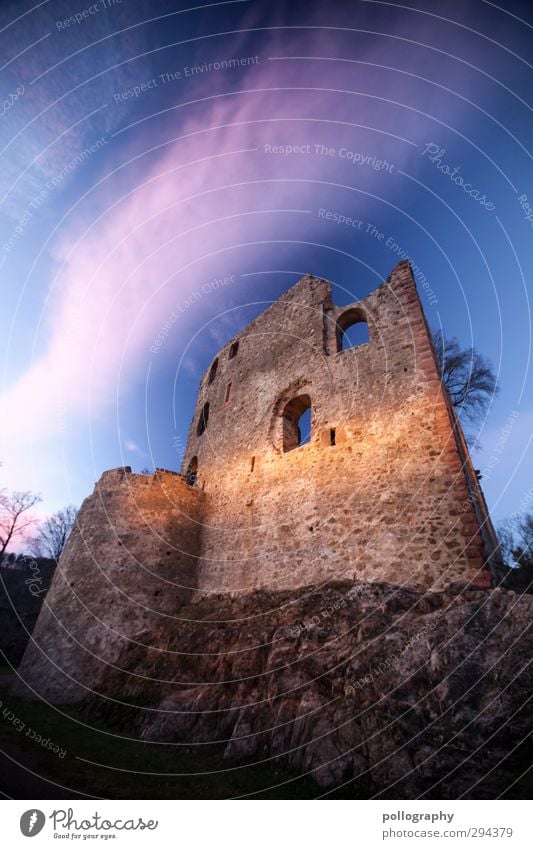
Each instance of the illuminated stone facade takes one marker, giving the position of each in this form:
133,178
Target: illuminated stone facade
384,491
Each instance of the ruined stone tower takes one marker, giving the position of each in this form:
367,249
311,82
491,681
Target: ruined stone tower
384,490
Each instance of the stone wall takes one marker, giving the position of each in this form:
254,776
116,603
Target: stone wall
383,492
129,566
389,500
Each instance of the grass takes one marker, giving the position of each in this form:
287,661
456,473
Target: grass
177,772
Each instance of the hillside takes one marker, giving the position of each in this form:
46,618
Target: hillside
375,689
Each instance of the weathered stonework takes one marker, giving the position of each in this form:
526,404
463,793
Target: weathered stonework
401,693
383,492
394,499
125,573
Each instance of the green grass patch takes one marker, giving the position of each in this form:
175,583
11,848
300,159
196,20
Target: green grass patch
132,769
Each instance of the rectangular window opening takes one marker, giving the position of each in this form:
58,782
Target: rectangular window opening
228,393
332,436
252,464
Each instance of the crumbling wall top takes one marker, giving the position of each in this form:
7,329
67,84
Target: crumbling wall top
166,477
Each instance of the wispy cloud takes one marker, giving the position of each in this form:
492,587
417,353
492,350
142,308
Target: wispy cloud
168,218
132,447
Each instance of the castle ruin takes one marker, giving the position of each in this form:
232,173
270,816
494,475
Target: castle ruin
383,491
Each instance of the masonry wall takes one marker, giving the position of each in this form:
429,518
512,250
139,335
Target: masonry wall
394,499
388,502
128,567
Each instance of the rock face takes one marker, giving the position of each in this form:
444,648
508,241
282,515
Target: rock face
125,571
252,601
384,491
376,690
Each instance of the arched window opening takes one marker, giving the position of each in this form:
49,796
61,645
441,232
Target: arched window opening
203,419
352,330
233,350
213,371
297,422
191,475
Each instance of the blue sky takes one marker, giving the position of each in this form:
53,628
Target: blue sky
146,183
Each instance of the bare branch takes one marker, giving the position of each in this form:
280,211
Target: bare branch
468,375
14,506
54,533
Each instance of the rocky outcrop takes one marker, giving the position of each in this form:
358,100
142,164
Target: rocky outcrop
376,690
126,568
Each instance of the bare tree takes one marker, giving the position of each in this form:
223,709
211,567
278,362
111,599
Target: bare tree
506,538
516,540
15,516
523,552
468,375
54,532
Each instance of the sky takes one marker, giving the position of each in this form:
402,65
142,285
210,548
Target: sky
166,174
